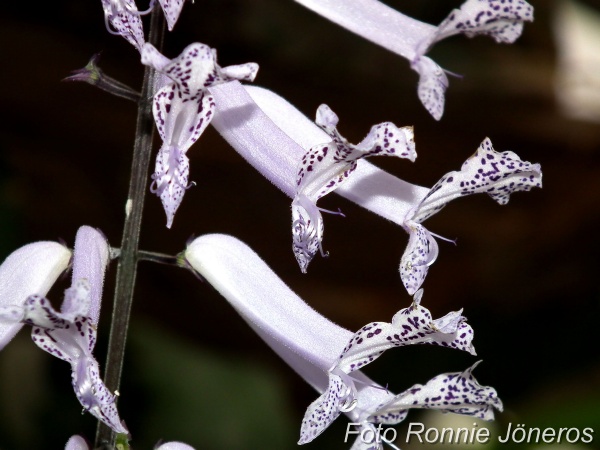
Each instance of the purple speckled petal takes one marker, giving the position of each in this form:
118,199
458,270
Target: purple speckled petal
172,10
323,411
123,16
422,251
500,19
325,167
433,83
74,342
307,230
487,171
458,393
170,179
409,326
241,72
93,394
39,312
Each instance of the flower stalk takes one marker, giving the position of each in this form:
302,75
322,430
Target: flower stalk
127,267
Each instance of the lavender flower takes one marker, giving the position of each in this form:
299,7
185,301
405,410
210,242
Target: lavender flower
182,111
371,19
327,165
71,333
487,171
325,354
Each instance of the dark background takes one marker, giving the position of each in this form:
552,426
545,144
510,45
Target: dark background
526,273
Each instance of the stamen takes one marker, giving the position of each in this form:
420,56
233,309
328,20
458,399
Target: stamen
452,241
337,213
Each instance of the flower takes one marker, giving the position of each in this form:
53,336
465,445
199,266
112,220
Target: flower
325,166
487,171
328,356
71,333
124,18
182,111
272,135
412,39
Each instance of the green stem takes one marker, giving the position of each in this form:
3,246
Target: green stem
127,267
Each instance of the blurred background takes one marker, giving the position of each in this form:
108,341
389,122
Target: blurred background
526,274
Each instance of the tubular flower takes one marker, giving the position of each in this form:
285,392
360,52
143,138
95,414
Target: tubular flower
412,39
326,166
71,333
272,136
328,356
487,171
182,111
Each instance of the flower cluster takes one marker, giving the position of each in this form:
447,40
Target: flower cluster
306,160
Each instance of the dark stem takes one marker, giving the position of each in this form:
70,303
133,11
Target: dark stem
127,267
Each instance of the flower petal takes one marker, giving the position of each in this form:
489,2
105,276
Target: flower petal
174,446
307,230
76,443
90,259
170,179
172,10
93,394
433,83
487,171
458,392
123,16
409,326
32,269
422,250
323,411
500,19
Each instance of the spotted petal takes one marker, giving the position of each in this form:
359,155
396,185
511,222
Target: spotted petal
409,326
500,19
323,411
433,83
171,9
124,17
170,179
487,171
458,392
421,252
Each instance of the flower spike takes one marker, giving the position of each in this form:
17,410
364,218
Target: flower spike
326,166
501,19
487,171
182,111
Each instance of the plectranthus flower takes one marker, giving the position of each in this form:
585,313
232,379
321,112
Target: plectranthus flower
412,39
123,19
71,333
182,111
487,171
273,136
327,165
328,356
